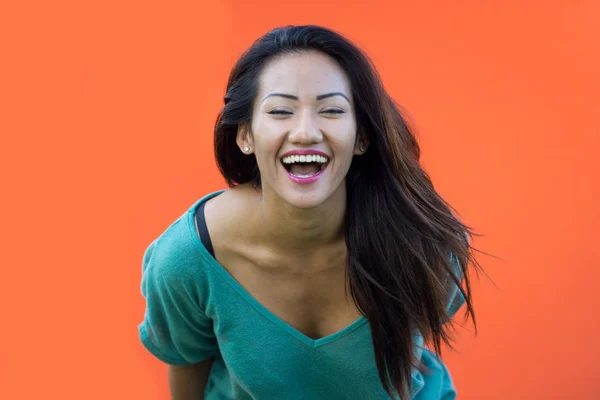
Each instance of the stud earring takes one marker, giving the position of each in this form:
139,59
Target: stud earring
246,149
362,148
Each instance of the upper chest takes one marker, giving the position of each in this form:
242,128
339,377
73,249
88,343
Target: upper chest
310,295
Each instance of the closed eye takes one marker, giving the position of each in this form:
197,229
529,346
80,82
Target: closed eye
279,112
334,111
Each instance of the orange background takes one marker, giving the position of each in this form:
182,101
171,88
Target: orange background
106,116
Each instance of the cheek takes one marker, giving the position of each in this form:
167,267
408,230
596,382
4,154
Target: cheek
346,139
267,143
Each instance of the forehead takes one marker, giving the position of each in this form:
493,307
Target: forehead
309,73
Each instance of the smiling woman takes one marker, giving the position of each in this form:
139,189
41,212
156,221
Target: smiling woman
303,106
330,260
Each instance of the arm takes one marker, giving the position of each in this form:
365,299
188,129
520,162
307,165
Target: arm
189,382
175,328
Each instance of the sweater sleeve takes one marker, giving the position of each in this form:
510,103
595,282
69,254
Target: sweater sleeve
175,328
456,298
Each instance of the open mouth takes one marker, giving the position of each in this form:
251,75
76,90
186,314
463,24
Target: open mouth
304,166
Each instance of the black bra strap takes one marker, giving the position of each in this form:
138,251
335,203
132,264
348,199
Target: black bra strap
203,230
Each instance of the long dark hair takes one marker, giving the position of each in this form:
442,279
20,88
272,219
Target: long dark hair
400,234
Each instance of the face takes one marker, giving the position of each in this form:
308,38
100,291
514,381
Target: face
303,131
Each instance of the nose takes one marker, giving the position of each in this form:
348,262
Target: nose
307,131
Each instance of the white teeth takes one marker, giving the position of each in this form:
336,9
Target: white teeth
305,158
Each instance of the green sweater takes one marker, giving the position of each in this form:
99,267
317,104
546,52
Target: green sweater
196,310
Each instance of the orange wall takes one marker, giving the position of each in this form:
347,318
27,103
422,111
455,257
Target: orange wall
106,113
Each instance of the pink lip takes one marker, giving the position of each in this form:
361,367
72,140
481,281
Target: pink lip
310,179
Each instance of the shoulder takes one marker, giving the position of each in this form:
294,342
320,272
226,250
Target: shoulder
228,216
172,250
231,205
176,285
176,258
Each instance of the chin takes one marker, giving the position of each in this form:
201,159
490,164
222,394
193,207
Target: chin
306,201
312,196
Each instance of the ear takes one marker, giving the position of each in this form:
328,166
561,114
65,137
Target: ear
362,142
244,139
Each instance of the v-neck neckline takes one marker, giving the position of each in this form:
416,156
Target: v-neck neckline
224,273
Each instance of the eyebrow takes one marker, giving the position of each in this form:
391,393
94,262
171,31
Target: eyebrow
319,97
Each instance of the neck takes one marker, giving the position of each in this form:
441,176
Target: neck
297,230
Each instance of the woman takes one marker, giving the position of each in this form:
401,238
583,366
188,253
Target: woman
330,260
